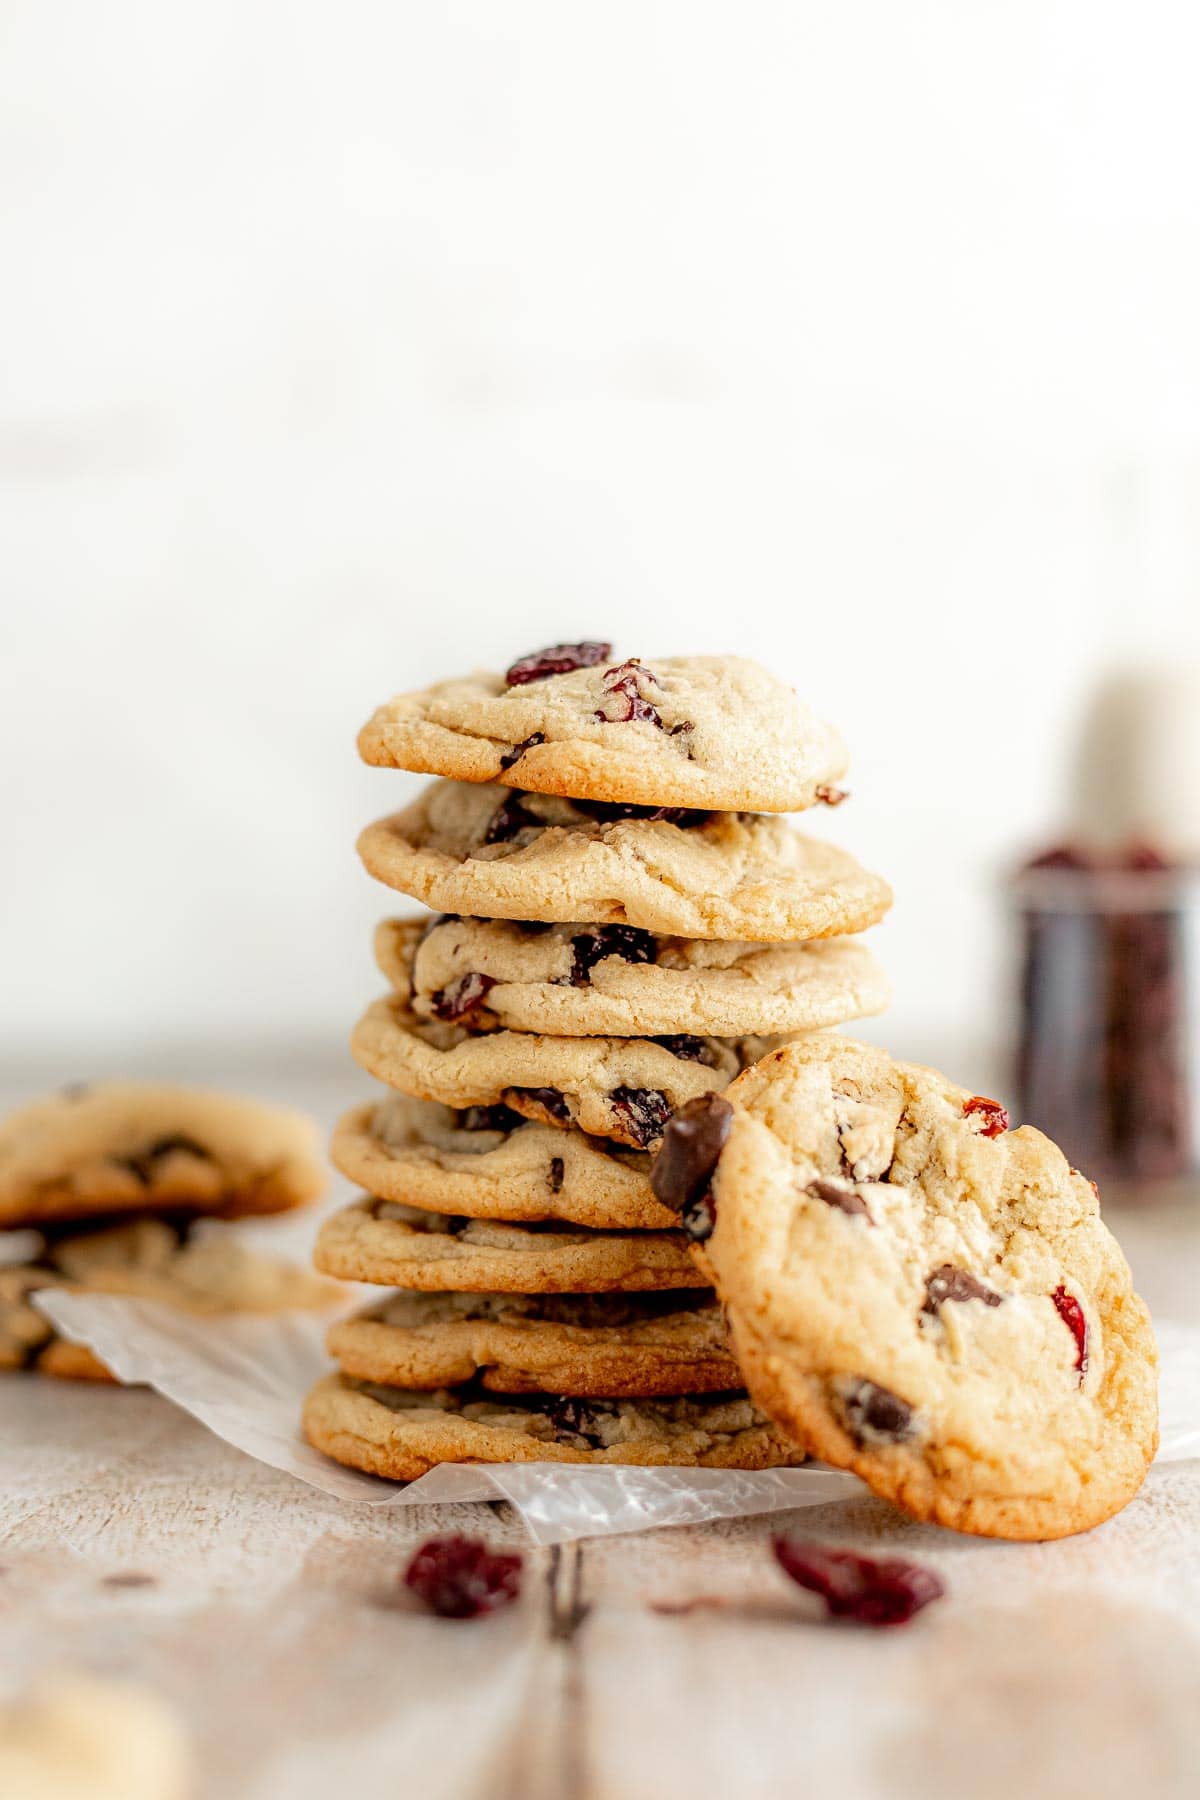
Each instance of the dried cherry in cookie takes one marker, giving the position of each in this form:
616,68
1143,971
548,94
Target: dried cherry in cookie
518,750
627,701
642,1111
626,941
559,659
1075,1319
463,997
994,1117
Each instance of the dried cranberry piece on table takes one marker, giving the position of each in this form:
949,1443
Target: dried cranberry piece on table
459,1577
559,659
886,1590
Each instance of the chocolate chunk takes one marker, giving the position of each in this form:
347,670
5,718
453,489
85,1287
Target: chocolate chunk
510,817
844,1198
488,1118
559,659
948,1283
689,1048
628,942
463,997
518,750
643,1112
692,1144
578,1421
873,1414
608,812
557,1171
144,1164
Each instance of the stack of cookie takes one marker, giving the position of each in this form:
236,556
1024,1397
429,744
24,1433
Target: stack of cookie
102,1191
625,924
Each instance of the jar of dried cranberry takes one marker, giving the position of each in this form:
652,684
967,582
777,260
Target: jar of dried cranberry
1110,1016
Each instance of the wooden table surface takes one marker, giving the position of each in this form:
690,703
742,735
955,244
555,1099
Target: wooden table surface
132,1541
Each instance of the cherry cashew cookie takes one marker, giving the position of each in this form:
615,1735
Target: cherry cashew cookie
494,852
918,1293
699,731
616,981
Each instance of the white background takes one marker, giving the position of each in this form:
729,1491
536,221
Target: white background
347,346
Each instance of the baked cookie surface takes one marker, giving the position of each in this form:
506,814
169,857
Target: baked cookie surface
614,980
619,1088
490,1163
493,852
144,1259
116,1146
401,1433
393,1245
927,1298
616,1345
697,731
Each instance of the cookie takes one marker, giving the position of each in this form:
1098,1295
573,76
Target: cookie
616,981
119,1146
400,1433
922,1295
145,1259
506,855
487,1162
400,1246
619,1345
619,1088
697,731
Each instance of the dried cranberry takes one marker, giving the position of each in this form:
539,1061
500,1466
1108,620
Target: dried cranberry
144,1165
518,750
692,1144
832,796
844,1198
1075,1319
463,996
628,942
459,1577
1140,858
488,1118
559,659
948,1283
994,1116
608,812
689,1048
1062,856
579,1420
643,1112
622,684
874,1415
886,1590
558,1170
547,1100
510,817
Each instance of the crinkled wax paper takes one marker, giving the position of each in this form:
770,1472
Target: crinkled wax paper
245,1377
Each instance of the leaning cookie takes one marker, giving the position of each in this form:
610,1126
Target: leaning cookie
697,731
144,1259
506,855
620,1345
918,1293
487,1162
398,1246
619,1088
616,981
400,1434
121,1146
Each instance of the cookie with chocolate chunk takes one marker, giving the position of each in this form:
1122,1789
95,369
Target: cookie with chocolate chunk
918,1293
619,1088
393,1245
615,1344
143,1146
697,731
507,855
401,1433
616,981
487,1162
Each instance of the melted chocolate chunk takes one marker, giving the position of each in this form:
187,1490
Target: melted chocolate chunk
699,1217
628,942
559,659
510,817
144,1165
692,1144
689,1048
948,1283
463,997
578,1421
643,1112
845,1199
607,812
874,1415
518,750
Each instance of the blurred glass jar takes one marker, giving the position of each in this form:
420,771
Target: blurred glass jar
1110,1017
